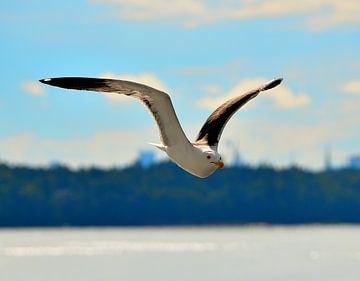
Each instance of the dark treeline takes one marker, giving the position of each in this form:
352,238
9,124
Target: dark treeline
165,195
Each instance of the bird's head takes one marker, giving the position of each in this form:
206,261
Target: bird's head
214,158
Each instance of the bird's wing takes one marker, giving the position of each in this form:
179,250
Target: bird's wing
213,127
158,103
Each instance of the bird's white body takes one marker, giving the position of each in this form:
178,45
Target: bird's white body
194,158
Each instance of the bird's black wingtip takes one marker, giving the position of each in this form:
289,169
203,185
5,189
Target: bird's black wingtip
75,83
45,81
271,84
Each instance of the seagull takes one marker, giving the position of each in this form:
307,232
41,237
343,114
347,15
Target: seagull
199,158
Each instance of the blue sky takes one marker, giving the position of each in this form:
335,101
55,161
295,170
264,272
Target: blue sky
200,52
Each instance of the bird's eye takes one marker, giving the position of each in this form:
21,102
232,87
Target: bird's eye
208,157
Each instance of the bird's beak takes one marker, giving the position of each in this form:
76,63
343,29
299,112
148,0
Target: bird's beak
219,163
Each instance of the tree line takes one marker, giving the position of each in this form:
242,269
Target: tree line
163,194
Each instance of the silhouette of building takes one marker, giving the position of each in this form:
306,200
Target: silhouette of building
55,164
146,158
327,159
354,162
236,158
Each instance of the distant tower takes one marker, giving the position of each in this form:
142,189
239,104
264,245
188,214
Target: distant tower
146,158
327,159
236,161
292,159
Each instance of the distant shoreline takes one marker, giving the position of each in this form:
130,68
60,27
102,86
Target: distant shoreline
165,196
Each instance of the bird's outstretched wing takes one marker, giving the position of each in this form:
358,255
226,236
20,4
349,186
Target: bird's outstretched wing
158,103
213,127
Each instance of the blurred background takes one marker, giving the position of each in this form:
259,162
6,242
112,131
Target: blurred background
201,53
71,159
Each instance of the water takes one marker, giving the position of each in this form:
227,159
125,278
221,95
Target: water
227,253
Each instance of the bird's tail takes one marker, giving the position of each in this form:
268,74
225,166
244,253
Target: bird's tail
159,146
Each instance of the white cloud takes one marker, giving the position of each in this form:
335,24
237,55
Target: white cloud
33,88
317,15
282,96
211,89
185,11
352,87
285,98
344,12
104,148
148,79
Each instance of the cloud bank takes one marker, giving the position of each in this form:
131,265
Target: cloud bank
103,148
352,87
281,96
314,15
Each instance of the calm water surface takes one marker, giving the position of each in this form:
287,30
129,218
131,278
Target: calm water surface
226,253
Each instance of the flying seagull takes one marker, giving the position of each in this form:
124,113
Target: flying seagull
199,158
